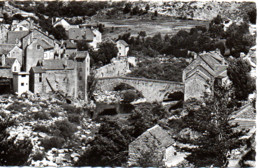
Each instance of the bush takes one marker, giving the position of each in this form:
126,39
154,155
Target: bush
53,142
75,118
41,128
54,114
41,116
38,156
129,96
17,106
64,128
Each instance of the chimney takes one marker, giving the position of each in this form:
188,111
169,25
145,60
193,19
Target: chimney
3,60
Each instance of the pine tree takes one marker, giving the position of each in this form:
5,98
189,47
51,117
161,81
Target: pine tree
217,136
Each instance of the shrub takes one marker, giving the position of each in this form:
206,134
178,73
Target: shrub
53,142
38,156
41,128
17,106
41,116
71,109
129,96
65,128
54,114
75,118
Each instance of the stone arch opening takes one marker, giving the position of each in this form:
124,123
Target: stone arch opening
173,96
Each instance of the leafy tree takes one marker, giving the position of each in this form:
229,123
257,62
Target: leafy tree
155,13
238,73
147,7
217,136
59,32
127,8
106,52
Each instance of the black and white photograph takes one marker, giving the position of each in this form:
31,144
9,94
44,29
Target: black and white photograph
128,83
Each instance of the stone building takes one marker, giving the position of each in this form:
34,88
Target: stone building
155,140
24,25
67,76
4,28
11,51
199,76
20,82
122,47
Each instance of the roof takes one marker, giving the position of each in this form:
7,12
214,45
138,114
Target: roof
45,45
6,48
13,35
38,69
211,61
57,64
123,42
157,133
6,72
75,34
89,35
70,45
9,62
52,64
82,54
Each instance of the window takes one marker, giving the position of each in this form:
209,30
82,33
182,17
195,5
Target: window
21,28
80,78
38,47
22,84
40,77
23,76
80,69
15,68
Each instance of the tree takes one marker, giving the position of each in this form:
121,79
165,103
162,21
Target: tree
106,52
155,13
217,136
238,73
147,7
127,8
59,32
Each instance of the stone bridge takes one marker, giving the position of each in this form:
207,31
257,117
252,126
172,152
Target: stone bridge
152,90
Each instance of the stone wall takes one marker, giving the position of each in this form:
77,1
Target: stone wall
62,80
152,90
117,68
33,55
3,34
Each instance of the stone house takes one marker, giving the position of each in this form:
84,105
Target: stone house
14,37
20,82
122,47
37,50
69,48
24,25
199,76
11,63
11,51
68,76
161,146
64,24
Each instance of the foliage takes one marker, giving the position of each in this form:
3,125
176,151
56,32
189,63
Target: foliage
63,128
217,135
106,52
41,128
59,32
153,69
239,39
129,96
13,152
41,116
109,147
238,73
82,45
38,156
53,142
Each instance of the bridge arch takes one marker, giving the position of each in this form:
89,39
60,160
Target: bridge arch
152,90
174,96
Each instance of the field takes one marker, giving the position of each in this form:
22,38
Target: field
152,27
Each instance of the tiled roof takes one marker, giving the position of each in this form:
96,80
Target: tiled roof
38,69
13,35
6,73
45,45
6,48
210,60
70,45
57,64
52,64
81,54
123,42
75,34
89,35
9,62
